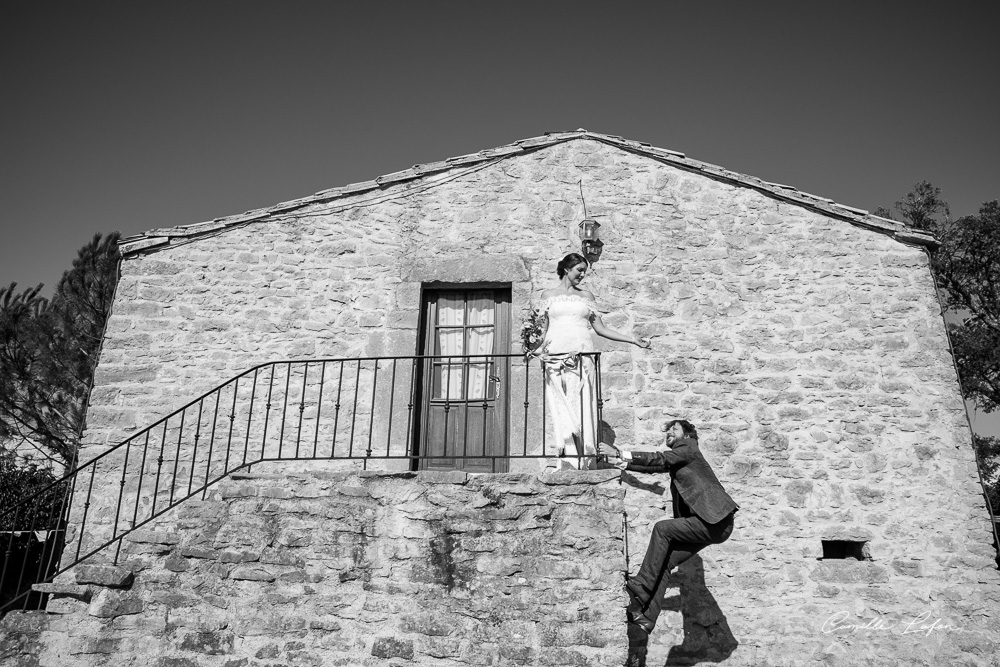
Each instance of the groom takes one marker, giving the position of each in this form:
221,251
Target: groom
703,515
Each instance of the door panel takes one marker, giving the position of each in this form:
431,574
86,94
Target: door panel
464,385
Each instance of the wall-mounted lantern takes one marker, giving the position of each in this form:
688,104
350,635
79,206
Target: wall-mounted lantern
591,238
589,232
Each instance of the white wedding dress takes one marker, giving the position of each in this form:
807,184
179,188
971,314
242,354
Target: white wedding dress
570,379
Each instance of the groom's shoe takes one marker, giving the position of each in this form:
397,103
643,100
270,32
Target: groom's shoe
634,612
636,657
638,640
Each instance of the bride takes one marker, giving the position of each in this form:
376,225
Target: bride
570,314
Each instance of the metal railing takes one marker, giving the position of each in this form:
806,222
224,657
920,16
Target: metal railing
472,412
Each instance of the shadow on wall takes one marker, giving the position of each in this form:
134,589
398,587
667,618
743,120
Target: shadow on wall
606,433
707,637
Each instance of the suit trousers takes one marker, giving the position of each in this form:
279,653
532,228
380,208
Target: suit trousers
673,541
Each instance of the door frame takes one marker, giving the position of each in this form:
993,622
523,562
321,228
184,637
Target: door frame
424,369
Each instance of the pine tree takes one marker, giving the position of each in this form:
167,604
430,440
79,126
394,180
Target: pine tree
48,352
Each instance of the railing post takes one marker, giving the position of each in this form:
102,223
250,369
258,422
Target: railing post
411,442
545,382
142,474
354,409
371,417
447,405
581,453
284,410
392,401
121,493
232,422
267,413
486,410
197,437
600,395
211,440
253,395
319,408
302,408
159,467
86,508
467,399
336,409
177,456
527,403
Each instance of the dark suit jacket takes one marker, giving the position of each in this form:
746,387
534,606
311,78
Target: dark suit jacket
694,487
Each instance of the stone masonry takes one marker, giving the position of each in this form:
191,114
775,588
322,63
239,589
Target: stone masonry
809,350
352,569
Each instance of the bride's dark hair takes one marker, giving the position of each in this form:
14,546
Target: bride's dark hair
569,261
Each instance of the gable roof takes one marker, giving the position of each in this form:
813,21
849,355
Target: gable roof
158,238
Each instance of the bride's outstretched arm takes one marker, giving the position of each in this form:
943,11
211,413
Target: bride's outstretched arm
604,332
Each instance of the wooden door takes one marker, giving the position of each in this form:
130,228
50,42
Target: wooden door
463,384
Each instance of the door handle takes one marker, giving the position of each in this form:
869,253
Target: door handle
495,379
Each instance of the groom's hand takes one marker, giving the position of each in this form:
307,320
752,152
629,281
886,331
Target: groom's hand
612,453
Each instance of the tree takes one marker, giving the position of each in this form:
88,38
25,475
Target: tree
966,267
988,454
922,207
48,352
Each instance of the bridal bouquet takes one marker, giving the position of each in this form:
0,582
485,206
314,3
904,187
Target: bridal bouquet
531,330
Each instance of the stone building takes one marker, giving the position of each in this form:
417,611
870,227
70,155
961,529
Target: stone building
803,337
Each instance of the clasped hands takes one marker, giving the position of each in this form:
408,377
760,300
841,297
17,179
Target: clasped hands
610,453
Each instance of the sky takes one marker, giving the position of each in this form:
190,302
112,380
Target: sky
133,116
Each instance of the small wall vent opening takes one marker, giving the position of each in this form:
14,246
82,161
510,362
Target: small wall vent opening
845,550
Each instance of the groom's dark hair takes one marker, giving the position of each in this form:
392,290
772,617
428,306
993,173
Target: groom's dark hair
689,430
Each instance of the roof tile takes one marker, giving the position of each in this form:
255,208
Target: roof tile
358,187
781,186
135,246
395,177
859,211
465,159
501,151
537,141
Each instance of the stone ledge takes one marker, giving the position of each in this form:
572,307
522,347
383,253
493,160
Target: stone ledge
565,477
254,476
75,591
152,537
443,477
386,474
110,576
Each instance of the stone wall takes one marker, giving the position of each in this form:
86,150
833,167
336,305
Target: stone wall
448,569
767,597
811,354
350,569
